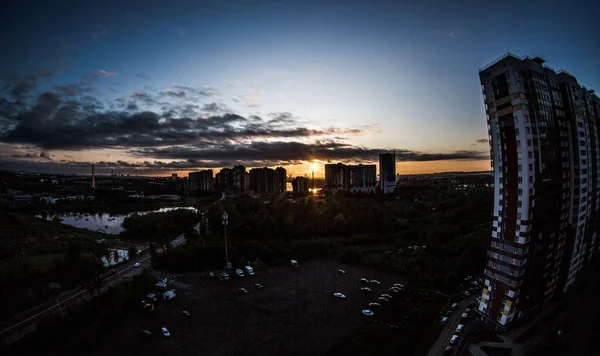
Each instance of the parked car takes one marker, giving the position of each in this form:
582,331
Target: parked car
454,305
339,295
341,271
447,350
394,289
468,310
464,317
137,264
459,328
374,305
399,285
375,282
242,291
146,333
466,293
186,313
444,320
225,276
165,332
249,270
453,339
294,263
386,296
368,312
364,280
383,299
366,289
258,286
239,272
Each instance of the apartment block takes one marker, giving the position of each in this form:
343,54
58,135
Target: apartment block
544,152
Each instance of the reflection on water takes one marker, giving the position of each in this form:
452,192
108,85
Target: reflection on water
103,222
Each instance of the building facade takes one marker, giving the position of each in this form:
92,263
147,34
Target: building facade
268,181
544,153
387,172
202,180
363,178
300,185
337,176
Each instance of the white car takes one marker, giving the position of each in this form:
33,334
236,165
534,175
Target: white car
466,293
239,272
243,291
375,305
341,271
398,285
459,328
444,320
249,270
367,312
386,296
186,313
453,339
394,289
366,289
258,286
165,332
454,305
339,295
375,282
383,299
364,280
137,264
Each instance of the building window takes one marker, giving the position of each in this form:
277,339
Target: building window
517,132
519,156
520,179
531,167
528,143
518,143
527,130
516,120
520,192
519,204
529,154
519,168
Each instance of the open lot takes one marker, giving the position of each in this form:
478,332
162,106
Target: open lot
295,314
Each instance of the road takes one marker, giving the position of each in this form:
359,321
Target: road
443,339
26,322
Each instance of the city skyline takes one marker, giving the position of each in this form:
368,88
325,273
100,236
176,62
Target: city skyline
124,87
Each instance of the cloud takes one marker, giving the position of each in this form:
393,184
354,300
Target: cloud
451,34
143,76
104,73
75,89
144,97
101,32
176,93
213,107
482,140
253,105
235,100
181,31
206,90
23,85
45,155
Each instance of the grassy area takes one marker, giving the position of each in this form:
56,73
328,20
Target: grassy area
39,258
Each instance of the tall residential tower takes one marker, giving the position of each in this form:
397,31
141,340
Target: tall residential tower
544,152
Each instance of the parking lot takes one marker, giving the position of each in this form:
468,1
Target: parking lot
295,313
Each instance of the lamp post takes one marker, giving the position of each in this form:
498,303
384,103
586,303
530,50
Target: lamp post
224,218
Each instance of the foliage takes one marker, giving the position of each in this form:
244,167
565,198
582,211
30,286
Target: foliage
159,227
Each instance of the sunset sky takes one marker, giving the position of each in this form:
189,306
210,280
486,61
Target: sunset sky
148,88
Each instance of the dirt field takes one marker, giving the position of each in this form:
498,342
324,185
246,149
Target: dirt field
295,314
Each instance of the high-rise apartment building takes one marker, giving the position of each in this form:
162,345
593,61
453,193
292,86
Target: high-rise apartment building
240,179
363,178
300,185
387,172
545,155
268,181
337,176
202,180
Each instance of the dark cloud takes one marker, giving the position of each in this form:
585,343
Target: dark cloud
213,107
74,89
482,140
204,91
286,152
143,97
143,76
21,86
175,93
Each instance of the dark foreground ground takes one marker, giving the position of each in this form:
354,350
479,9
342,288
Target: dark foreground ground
295,314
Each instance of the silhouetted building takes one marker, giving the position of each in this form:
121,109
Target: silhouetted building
202,180
387,172
545,151
363,178
267,181
240,179
300,185
224,180
337,176
174,176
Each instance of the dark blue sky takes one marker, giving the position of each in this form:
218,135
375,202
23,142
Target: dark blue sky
373,75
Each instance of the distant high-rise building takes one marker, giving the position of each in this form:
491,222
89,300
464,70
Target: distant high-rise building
337,176
240,181
545,155
224,180
387,172
267,181
174,176
202,180
300,185
363,178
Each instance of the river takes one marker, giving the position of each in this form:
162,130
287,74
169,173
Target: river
103,222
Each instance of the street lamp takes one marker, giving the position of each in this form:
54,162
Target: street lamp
224,218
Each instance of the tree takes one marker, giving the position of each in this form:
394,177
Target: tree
116,256
131,252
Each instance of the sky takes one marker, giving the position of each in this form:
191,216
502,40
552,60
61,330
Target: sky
147,87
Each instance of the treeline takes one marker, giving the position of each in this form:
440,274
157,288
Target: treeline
430,234
82,327
40,258
159,227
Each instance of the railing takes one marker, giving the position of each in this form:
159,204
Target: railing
505,55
